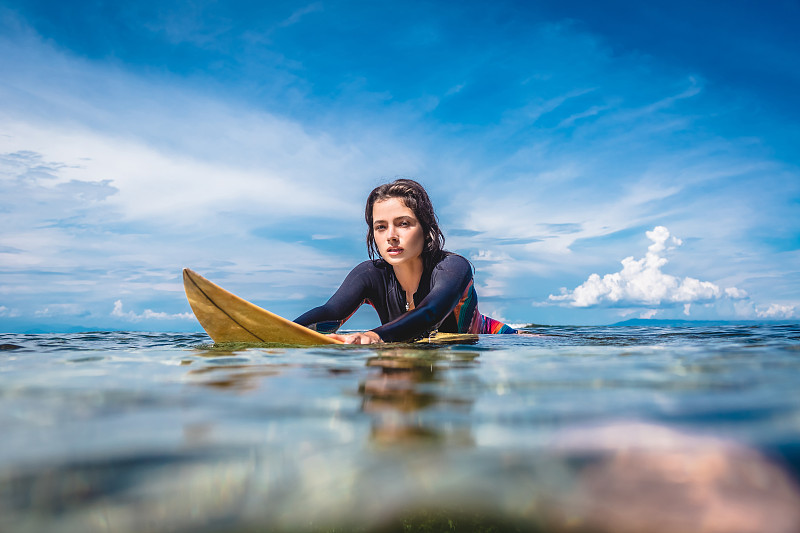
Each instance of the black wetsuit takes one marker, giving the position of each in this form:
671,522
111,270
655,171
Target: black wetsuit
445,301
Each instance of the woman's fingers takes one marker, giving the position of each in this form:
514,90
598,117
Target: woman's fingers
367,337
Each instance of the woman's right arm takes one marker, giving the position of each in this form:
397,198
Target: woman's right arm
346,300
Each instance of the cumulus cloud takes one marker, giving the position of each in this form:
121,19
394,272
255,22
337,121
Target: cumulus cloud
642,283
148,314
736,294
776,311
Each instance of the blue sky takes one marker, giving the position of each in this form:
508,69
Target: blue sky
596,161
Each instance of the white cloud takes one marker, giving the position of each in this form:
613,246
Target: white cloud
171,154
492,287
143,183
8,313
148,314
300,13
749,310
60,310
641,282
776,311
736,294
490,256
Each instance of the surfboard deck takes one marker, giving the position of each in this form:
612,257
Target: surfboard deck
227,318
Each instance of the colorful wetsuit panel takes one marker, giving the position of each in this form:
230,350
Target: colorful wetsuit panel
466,309
490,325
470,320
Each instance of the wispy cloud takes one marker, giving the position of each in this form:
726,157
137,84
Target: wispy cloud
147,314
8,313
60,310
295,17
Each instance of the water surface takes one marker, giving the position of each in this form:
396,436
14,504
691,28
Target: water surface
575,429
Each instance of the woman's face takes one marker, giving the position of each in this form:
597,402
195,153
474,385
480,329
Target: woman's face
398,233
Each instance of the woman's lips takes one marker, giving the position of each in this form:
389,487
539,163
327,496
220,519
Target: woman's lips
394,250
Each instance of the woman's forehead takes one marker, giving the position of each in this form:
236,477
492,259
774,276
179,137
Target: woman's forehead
390,208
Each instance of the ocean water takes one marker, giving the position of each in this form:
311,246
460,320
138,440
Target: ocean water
596,429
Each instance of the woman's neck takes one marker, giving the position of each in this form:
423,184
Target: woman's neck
408,275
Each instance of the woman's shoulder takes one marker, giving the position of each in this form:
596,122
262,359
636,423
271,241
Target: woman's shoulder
452,258
367,274
375,266
454,262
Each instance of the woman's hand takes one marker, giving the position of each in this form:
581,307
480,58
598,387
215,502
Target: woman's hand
367,337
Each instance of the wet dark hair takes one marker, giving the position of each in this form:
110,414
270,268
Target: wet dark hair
415,198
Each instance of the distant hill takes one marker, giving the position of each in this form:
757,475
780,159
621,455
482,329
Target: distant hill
25,327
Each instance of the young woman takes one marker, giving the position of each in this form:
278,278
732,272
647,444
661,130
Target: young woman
416,286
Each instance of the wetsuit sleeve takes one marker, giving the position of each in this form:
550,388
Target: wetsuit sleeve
449,279
353,292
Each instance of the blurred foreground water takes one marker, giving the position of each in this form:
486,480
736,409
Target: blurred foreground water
615,429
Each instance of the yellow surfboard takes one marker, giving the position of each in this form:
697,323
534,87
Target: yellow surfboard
228,318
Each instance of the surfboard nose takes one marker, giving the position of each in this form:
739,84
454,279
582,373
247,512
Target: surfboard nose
189,275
